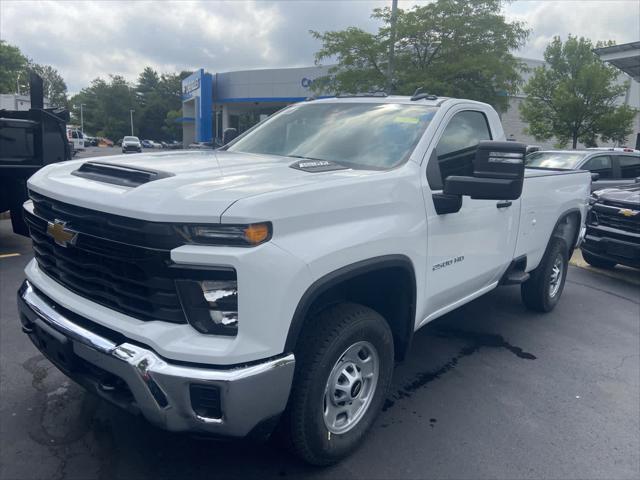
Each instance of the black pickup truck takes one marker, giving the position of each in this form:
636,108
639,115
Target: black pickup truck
613,228
29,140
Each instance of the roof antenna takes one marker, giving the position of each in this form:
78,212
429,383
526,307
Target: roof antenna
418,91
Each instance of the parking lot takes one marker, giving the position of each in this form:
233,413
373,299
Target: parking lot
491,390
90,152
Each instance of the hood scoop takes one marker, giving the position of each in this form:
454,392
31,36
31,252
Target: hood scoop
311,165
118,174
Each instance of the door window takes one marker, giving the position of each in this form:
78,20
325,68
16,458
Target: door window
457,147
601,164
629,166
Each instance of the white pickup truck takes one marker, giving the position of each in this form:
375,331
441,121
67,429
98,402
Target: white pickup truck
275,281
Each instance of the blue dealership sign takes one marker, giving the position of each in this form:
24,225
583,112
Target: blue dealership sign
198,86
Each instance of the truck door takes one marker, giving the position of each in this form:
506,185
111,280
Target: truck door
468,250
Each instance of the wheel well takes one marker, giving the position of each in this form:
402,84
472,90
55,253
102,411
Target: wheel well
388,287
568,228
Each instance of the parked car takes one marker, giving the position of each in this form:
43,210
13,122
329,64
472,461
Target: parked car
613,228
105,142
146,143
90,141
172,145
75,136
131,144
202,145
615,167
279,278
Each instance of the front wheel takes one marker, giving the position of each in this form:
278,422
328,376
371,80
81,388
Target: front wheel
543,289
344,364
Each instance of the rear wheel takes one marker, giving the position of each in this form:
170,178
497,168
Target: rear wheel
544,287
597,261
344,364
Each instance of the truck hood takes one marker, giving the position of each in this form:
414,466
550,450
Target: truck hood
629,195
197,186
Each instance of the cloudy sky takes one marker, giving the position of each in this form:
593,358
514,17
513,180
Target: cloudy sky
87,40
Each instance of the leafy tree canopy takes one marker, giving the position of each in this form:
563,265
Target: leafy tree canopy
458,48
574,96
15,71
155,98
13,62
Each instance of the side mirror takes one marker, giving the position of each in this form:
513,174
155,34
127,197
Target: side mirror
595,176
498,173
228,135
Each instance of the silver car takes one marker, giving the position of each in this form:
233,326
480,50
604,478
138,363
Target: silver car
615,167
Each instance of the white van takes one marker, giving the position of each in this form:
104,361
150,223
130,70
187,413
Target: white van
76,138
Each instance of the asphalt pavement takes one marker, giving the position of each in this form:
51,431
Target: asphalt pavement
489,391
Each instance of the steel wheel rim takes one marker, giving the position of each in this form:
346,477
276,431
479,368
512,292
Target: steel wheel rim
555,279
350,388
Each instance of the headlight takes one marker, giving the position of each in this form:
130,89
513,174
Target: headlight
229,235
211,306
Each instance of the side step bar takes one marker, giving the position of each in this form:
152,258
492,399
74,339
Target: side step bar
515,274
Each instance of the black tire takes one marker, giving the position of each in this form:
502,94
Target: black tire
537,293
322,345
597,261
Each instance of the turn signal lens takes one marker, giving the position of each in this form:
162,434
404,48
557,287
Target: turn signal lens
257,233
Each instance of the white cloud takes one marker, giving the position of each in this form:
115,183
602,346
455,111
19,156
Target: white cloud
84,40
597,20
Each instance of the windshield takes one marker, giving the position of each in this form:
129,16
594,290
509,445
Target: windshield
131,139
563,160
358,135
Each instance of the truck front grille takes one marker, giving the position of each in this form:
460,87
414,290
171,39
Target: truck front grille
136,280
610,217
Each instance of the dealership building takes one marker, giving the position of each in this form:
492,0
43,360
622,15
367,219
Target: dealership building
215,101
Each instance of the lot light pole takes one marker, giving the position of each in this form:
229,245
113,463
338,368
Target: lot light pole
392,41
81,119
131,114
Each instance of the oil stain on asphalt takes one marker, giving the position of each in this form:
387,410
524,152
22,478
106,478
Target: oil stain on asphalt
477,341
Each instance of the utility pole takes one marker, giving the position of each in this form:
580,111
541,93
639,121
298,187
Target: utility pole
392,43
81,119
131,113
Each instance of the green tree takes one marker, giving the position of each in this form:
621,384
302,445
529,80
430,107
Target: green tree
14,73
450,47
158,96
106,106
574,97
12,66
172,127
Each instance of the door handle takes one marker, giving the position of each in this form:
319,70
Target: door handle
504,204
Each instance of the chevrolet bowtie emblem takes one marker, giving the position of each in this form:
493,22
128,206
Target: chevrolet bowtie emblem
627,212
61,234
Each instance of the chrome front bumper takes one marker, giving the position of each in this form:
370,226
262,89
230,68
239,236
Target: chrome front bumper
250,396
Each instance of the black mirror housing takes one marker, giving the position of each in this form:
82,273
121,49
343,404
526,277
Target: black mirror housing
498,173
228,135
595,176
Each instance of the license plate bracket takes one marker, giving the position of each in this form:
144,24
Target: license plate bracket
55,346
619,250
